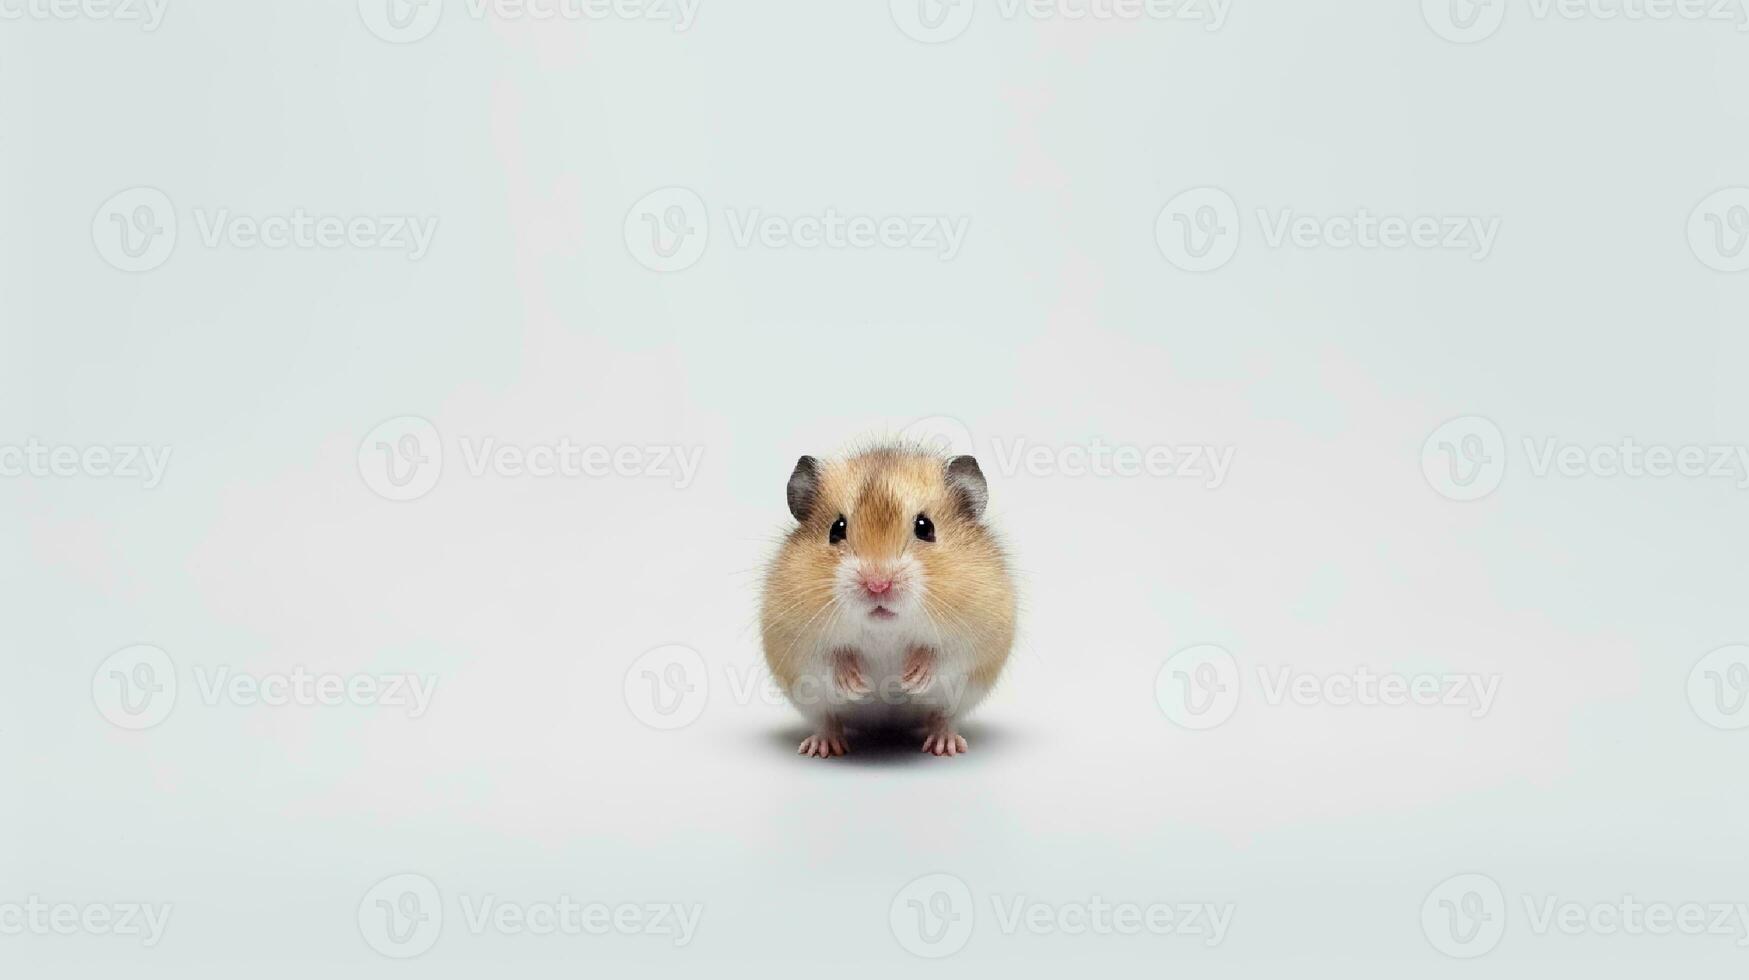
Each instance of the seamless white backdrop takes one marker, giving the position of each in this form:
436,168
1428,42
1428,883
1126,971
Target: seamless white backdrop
718,236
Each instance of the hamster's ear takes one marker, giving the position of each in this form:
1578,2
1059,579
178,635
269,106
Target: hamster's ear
968,486
804,486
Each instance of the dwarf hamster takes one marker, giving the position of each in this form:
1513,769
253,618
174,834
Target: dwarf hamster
890,603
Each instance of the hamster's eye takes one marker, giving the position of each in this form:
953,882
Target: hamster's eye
924,527
839,527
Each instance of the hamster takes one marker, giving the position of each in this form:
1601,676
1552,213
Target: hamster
891,604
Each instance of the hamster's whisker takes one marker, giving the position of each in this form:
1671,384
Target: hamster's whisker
802,631
959,623
928,616
807,596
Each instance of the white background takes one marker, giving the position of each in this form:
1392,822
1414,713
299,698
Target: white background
1060,322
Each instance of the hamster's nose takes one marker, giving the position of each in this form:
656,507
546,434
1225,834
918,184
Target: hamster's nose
877,586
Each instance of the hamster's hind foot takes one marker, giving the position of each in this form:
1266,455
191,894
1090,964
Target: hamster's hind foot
943,740
824,744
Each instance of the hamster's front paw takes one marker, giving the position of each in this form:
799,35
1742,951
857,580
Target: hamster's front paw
919,670
848,674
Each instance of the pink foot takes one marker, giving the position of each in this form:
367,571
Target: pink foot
944,741
823,745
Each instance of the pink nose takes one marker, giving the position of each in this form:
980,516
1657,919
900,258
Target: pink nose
877,586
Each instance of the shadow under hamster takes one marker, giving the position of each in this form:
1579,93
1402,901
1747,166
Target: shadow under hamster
890,746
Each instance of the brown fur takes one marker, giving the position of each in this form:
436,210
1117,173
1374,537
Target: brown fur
880,491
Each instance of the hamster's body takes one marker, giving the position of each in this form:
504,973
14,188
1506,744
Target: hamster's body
891,604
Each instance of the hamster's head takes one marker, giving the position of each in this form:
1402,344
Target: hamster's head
896,533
